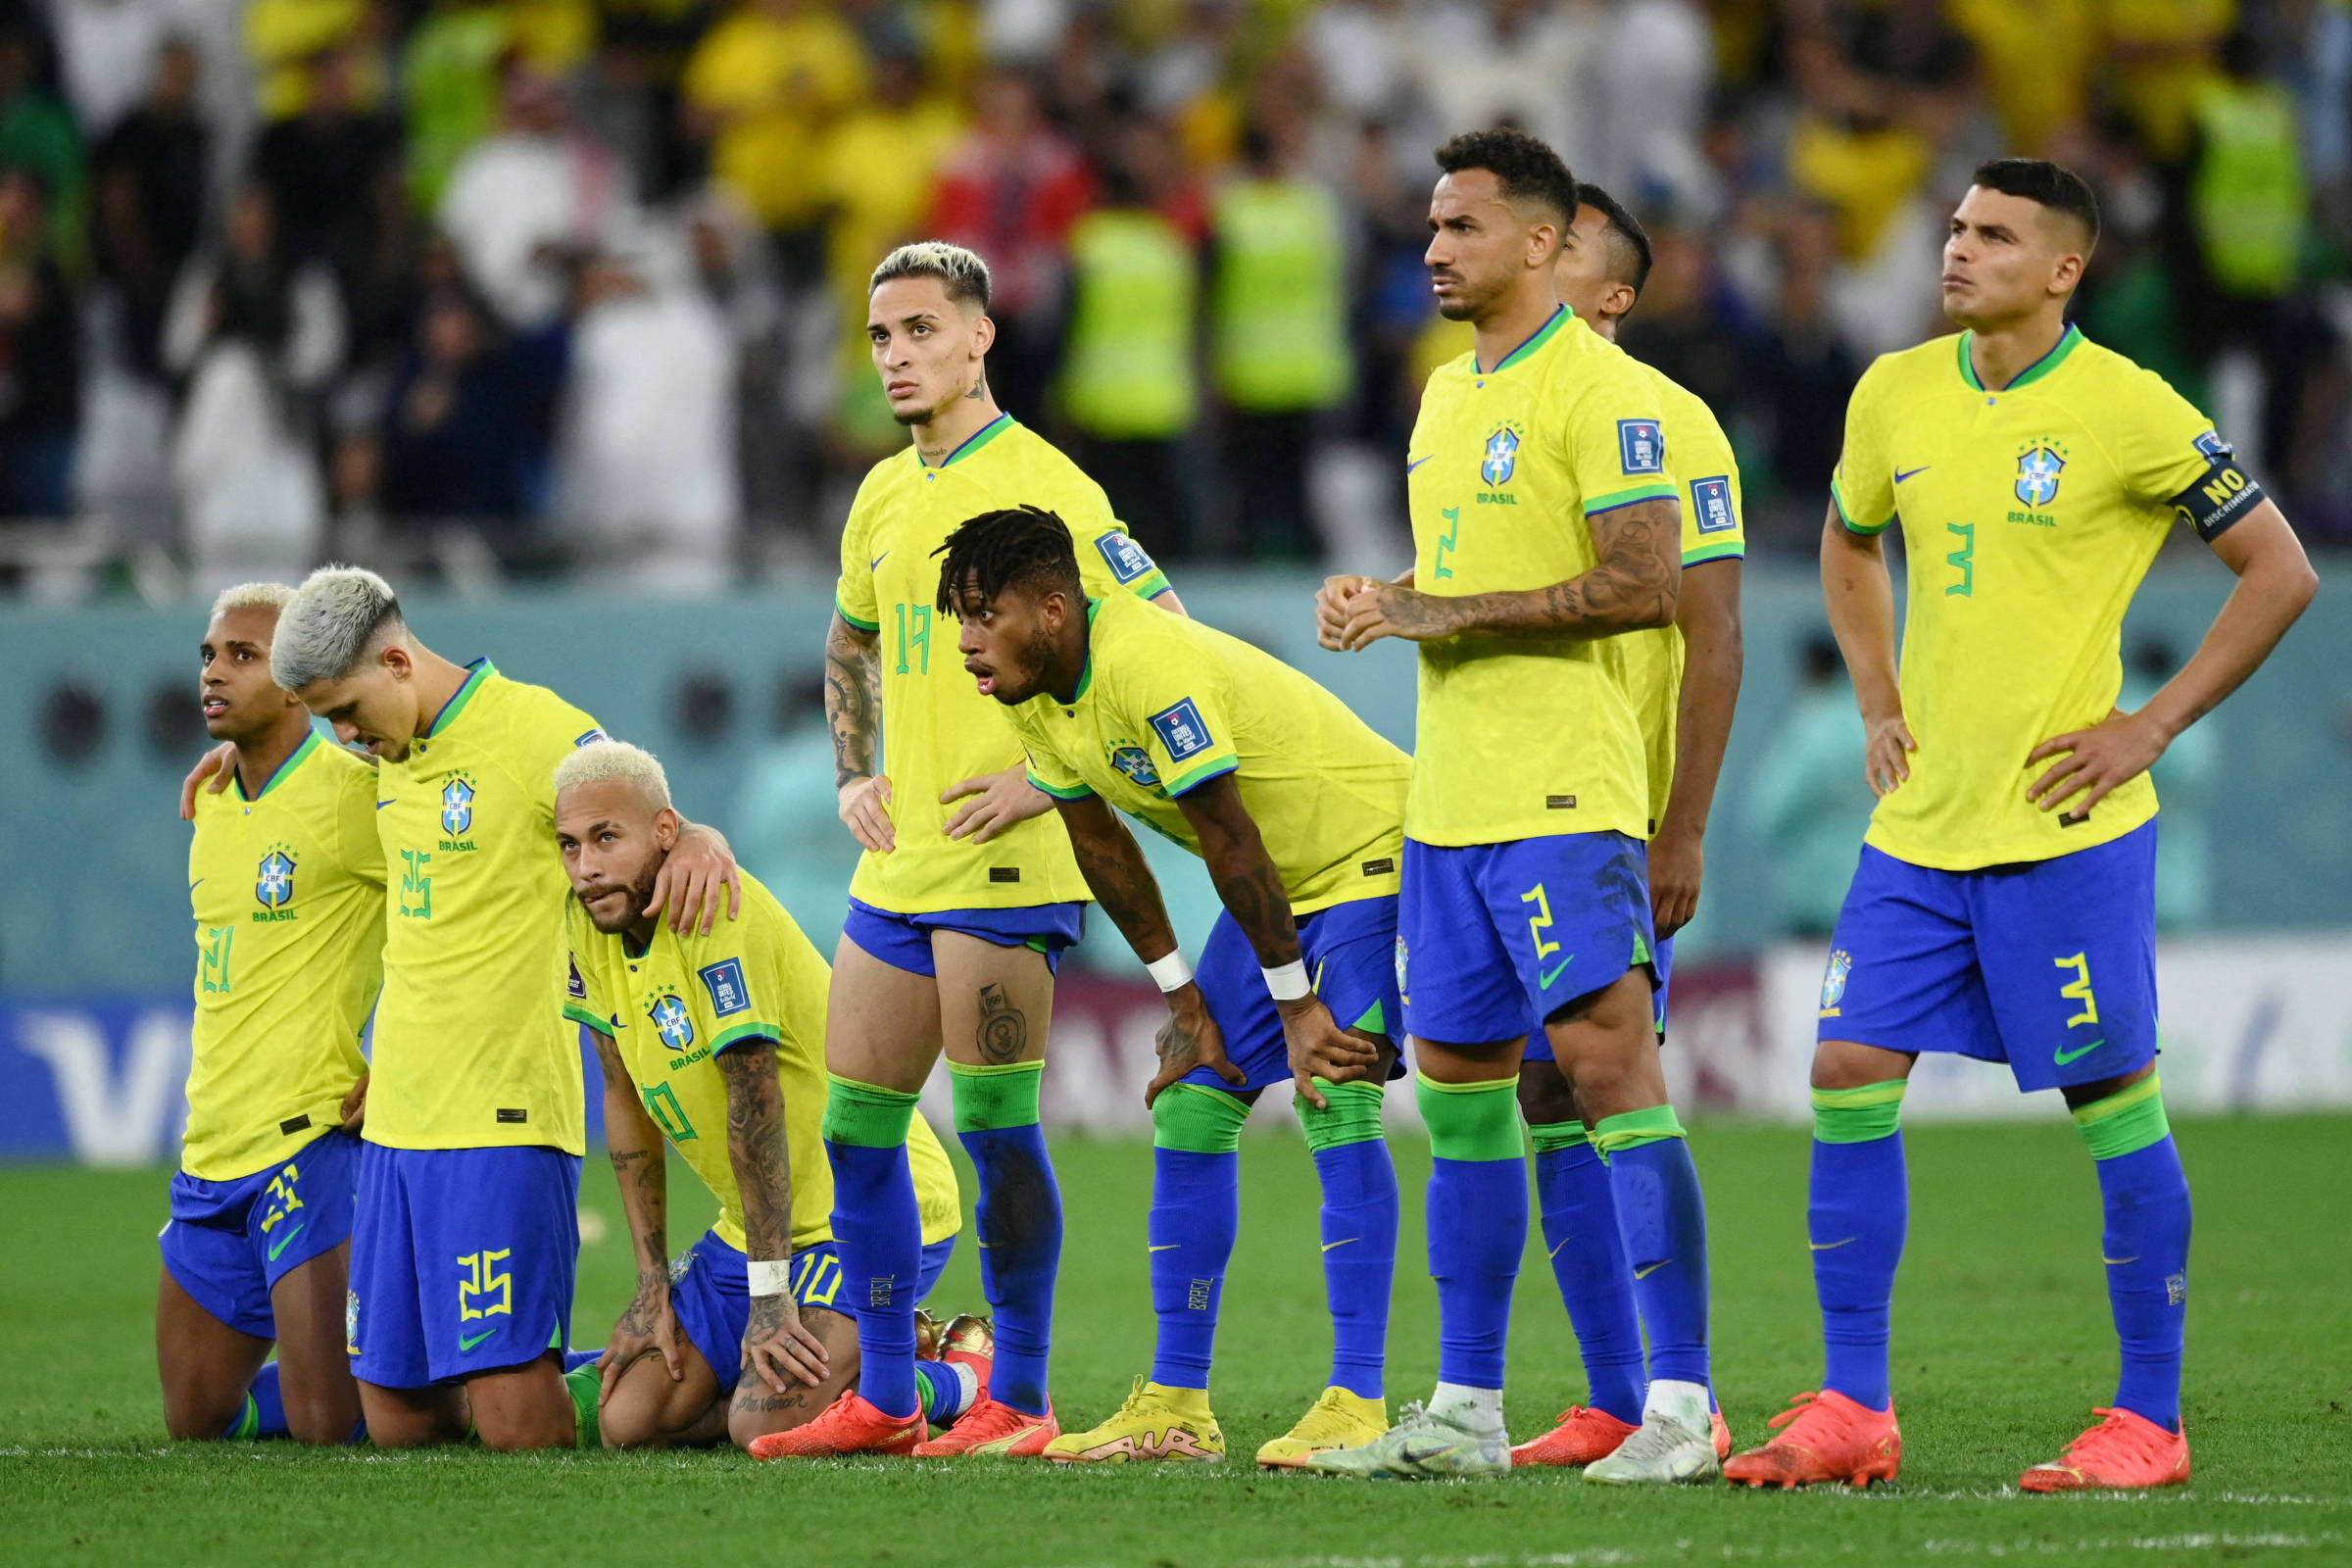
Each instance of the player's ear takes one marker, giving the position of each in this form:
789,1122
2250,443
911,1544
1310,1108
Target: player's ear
395,659
667,825
983,334
2069,272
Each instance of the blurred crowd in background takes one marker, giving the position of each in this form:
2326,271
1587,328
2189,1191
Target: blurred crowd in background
494,290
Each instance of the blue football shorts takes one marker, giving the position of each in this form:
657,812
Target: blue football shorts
229,1243
904,940
712,1302
1351,955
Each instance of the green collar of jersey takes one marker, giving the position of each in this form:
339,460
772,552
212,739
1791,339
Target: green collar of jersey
1086,672
1559,318
294,760
482,669
971,443
2066,344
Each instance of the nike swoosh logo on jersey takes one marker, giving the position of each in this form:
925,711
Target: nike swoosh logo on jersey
1824,1247
876,562
464,1344
1645,1273
193,886
2063,1055
1553,973
1900,476
1416,463
280,1245
380,804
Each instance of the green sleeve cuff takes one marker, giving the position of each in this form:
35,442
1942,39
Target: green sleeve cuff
843,610
1203,774
1728,549
1150,585
581,1015
1060,792
744,1034
1626,498
1845,514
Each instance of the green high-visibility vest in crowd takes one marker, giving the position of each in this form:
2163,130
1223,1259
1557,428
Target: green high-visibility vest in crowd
1280,306
2247,196
1127,361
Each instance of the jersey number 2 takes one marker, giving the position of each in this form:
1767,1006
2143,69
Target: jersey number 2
1449,540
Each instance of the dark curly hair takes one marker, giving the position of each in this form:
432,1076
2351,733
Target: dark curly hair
1528,170
1018,547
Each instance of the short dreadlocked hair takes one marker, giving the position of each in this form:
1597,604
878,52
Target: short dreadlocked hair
1018,547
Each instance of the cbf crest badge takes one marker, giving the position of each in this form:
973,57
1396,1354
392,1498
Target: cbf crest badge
1832,982
1501,458
273,882
2038,469
672,1022
1136,763
456,805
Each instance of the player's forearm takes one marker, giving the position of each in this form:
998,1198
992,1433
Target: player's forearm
2275,584
1248,882
1859,596
1119,877
1635,584
643,1177
1712,664
757,1150
852,698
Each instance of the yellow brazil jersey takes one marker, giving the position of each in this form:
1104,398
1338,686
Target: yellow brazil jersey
1525,737
1166,703
287,889
467,1054
674,1007
2029,517
937,729
1711,531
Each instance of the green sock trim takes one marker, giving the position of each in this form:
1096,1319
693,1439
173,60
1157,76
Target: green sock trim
2125,1121
1554,1136
988,1098
1198,1120
1614,1134
248,1423
585,1385
1354,1116
1470,1121
1861,1116
868,1115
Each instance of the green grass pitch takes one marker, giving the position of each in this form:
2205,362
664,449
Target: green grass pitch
2002,1338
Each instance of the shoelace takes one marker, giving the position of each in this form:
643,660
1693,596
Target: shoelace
1567,1416
1135,1397
1798,1407
1652,1438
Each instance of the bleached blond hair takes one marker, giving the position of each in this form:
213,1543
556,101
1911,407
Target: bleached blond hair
253,596
961,271
599,761
325,630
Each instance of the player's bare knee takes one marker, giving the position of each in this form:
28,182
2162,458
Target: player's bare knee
1544,1095
192,1416
322,1417
1848,1065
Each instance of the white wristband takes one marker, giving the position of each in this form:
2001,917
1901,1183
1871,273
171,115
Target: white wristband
1288,982
1171,973
768,1276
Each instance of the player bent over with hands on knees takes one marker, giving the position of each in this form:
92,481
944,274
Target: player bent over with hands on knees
1296,808
467,1232
286,884
717,1040
2004,906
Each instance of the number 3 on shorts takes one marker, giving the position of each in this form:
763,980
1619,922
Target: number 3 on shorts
2079,989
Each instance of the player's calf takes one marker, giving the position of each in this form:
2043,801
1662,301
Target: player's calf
416,1418
647,1408
522,1407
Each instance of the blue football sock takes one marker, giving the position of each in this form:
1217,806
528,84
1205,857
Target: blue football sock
2144,1243
878,1232
1476,1222
1587,1258
1359,1259
944,1394
265,1412
1018,1215
1663,1220
1195,1213
1855,1218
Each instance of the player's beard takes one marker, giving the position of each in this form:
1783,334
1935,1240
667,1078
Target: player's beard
1468,304
641,894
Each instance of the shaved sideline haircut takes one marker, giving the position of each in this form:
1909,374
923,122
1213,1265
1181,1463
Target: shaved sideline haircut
599,761
325,630
2053,185
253,596
962,273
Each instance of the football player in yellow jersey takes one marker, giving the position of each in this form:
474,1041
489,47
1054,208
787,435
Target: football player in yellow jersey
286,882
2004,907
717,1040
1298,808
1546,526
957,912
467,1232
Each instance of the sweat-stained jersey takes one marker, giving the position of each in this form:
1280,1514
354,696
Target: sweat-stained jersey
937,729
1525,737
468,1052
2028,515
287,889
1165,704
1712,530
672,1009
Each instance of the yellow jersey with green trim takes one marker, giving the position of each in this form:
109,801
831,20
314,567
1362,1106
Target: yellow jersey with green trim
1712,530
674,1009
287,889
937,729
467,1054
2028,516
1526,737
1165,704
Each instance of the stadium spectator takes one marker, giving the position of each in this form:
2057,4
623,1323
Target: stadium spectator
334,174
464,435
38,133
150,179
40,357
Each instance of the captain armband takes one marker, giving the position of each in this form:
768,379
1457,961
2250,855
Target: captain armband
2226,494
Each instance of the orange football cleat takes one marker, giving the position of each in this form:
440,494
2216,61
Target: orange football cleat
993,1429
849,1425
1581,1435
1721,1430
1830,1438
969,1339
2123,1453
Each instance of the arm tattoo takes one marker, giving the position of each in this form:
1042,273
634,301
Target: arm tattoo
1004,1032
852,698
1636,577
638,1168
1247,878
1118,876
758,1148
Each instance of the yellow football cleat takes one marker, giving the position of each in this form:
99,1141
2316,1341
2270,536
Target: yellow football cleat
1339,1419
1155,1423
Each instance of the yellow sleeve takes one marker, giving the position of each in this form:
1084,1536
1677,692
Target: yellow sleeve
1109,559
744,982
2171,455
1712,528
357,840
1862,487
1617,442
854,595
1178,705
584,1001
